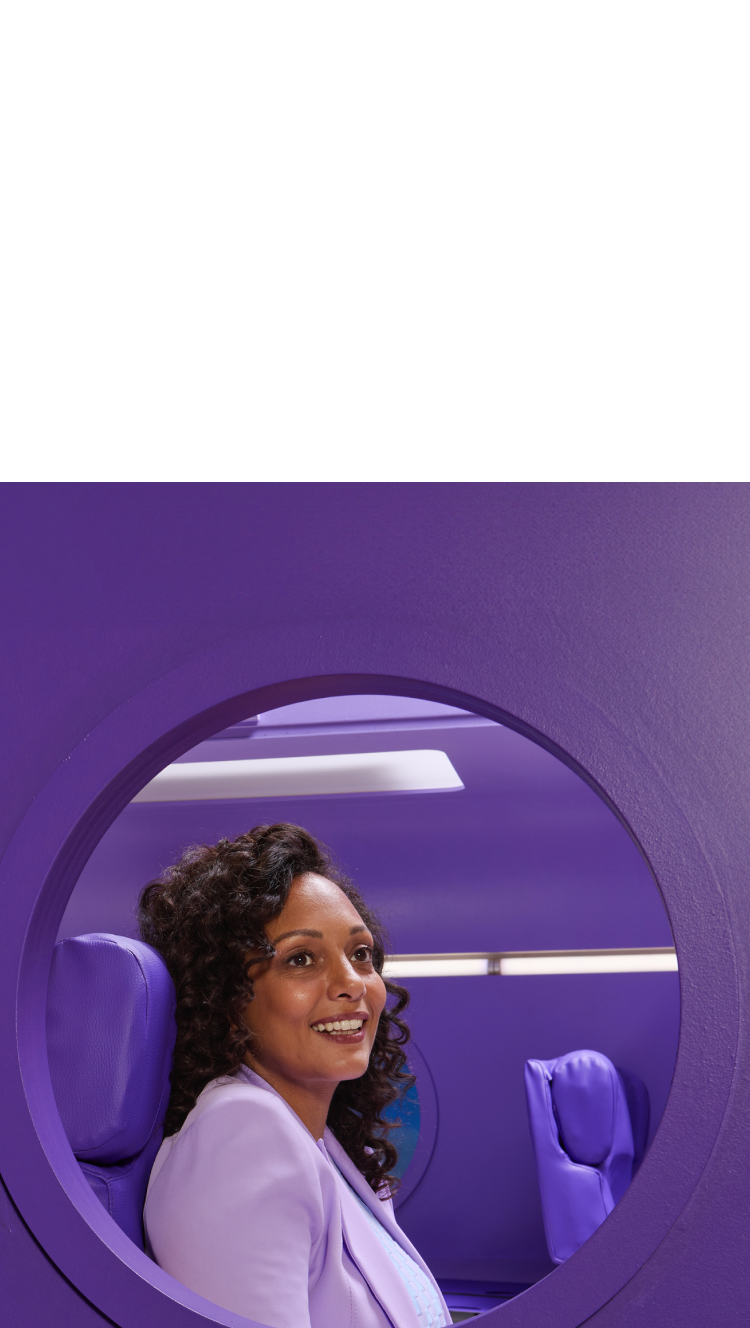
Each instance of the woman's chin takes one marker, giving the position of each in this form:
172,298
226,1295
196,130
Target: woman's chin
351,1066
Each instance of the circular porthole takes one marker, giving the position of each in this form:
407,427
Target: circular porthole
86,800
550,870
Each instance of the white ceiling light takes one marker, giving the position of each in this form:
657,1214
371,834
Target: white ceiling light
444,966
537,963
634,961
303,776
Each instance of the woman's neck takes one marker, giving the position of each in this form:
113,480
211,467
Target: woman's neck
311,1102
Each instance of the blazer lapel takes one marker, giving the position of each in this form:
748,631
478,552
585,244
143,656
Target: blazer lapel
371,1257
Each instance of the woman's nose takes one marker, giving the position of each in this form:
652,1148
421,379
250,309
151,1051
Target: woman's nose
346,981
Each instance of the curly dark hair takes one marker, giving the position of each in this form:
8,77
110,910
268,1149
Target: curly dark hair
204,915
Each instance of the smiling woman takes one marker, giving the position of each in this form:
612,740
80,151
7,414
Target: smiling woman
316,1002
271,1194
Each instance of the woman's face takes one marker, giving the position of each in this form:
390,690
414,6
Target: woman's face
320,978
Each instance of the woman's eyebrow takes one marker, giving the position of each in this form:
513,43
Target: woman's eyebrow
307,931
301,931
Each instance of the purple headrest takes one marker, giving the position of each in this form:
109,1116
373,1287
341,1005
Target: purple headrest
585,1089
110,1038
583,1144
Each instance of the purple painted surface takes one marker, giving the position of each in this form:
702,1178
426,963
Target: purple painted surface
32,1292
611,621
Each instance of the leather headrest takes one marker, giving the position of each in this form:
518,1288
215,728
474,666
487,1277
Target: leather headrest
110,1038
584,1087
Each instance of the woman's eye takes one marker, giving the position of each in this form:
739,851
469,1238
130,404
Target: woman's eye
363,955
302,959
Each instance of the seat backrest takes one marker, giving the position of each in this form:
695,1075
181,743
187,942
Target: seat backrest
110,1039
583,1142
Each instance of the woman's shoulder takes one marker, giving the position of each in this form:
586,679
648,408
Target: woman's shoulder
244,1103
234,1089
235,1124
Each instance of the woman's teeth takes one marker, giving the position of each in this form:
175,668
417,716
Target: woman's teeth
340,1026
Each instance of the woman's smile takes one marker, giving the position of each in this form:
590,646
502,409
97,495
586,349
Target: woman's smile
343,1030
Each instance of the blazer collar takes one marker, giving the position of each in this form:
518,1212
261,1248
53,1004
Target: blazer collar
390,1289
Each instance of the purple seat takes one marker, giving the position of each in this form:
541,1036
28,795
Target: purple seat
589,1124
110,1038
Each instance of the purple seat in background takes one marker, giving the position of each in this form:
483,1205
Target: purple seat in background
110,1038
589,1125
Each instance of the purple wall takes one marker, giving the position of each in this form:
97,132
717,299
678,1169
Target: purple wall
610,621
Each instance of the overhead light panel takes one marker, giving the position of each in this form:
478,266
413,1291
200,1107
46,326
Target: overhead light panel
425,770
535,963
621,961
436,966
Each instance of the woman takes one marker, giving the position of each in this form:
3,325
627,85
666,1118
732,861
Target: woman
270,1194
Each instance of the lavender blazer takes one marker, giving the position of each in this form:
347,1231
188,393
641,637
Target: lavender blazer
245,1208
